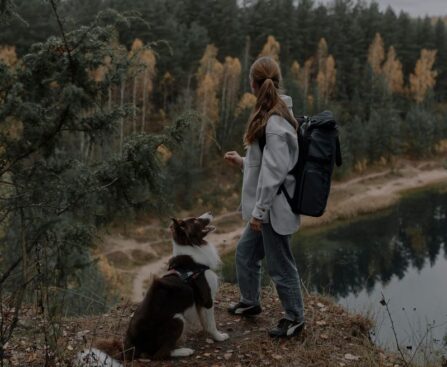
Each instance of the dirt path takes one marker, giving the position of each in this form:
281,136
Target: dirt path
359,195
142,276
373,193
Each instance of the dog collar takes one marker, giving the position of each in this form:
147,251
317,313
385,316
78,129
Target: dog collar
188,274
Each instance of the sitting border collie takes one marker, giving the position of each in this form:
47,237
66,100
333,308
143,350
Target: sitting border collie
158,322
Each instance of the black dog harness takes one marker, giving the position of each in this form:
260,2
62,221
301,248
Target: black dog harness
188,274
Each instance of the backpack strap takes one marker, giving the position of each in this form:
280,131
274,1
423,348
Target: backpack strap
262,141
338,159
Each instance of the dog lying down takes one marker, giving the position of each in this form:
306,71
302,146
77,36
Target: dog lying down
159,321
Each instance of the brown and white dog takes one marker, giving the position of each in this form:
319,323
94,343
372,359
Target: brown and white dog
159,321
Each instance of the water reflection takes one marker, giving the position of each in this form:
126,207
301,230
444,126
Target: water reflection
355,256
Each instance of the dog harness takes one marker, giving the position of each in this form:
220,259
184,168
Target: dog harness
188,274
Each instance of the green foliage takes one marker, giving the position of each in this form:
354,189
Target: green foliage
184,173
382,134
419,130
54,196
239,29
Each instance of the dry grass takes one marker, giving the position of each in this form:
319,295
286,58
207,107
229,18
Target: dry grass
332,338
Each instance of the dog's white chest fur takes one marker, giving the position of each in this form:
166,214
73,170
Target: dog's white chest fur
204,254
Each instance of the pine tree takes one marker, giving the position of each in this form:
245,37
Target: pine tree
54,201
440,65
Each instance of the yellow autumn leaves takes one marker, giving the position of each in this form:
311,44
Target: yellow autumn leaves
321,68
421,81
8,55
216,94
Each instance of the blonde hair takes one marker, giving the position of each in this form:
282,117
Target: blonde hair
265,74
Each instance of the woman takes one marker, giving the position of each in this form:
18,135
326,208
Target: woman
271,220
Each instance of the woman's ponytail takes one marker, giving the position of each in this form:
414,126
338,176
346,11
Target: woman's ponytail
265,76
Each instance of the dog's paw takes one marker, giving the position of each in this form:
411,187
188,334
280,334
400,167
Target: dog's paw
220,337
182,352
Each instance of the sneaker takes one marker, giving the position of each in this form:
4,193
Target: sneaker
286,329
244,310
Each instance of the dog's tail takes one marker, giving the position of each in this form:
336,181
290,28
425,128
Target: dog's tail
106,353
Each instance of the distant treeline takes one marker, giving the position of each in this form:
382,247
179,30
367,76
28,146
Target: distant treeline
241,30
383,74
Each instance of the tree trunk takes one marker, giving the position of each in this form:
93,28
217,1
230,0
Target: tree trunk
123,86
134,103
143,111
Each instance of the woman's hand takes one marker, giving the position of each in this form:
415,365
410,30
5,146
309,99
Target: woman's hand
234,158
256,224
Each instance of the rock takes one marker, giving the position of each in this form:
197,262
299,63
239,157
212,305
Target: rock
228,355
351,357
209,341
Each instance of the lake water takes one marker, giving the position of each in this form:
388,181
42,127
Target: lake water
400,253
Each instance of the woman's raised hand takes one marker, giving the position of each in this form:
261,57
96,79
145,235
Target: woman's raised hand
234,158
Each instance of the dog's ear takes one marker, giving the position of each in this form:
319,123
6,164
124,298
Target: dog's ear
175,222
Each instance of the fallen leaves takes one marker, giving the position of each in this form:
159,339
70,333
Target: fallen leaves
326,341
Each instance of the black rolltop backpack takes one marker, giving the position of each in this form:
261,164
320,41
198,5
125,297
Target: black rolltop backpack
319,150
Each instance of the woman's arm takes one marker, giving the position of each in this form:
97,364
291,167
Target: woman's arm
274,168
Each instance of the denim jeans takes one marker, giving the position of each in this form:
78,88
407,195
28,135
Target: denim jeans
251,249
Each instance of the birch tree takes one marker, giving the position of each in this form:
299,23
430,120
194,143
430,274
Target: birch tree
229,94
423,79
271,48
209,76
326,77
148,60
376,54
392,72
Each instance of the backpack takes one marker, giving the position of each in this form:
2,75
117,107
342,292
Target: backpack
319,150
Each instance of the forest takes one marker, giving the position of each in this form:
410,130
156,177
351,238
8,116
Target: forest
383,74
109,109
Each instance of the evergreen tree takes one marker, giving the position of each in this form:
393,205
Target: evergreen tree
54,199
419,131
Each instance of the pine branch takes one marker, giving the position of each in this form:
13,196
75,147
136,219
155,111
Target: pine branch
52,135
64,38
